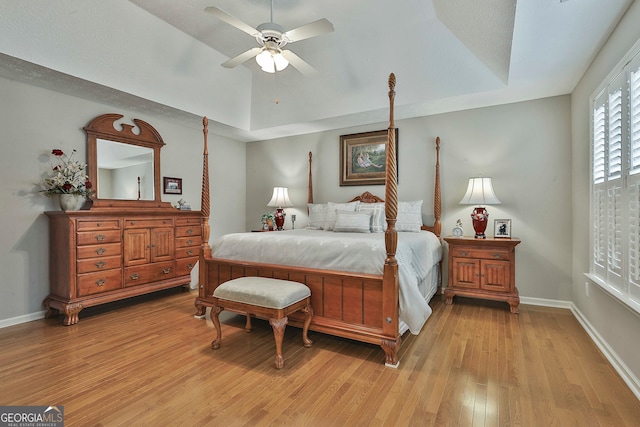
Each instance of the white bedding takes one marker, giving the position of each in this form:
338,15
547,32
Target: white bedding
417,253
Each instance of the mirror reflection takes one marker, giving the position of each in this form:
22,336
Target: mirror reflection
125,171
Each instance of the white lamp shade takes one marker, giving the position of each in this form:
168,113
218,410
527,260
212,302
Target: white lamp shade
480,192
280,198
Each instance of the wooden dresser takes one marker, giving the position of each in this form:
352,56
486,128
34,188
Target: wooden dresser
482,268
110,254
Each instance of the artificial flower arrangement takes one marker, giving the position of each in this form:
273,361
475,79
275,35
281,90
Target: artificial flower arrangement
68,176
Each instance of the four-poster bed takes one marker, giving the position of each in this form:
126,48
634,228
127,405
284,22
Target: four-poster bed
370,305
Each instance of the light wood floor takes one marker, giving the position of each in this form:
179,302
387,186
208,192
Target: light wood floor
148,362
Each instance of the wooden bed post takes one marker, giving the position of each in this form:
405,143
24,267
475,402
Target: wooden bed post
205,250
437,196
390,287
310,193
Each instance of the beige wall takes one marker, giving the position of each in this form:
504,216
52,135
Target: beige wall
524,147
33,122
612,322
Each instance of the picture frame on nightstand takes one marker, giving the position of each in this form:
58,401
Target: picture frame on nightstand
502,228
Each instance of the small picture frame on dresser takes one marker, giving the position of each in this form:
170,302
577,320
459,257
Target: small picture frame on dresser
502,228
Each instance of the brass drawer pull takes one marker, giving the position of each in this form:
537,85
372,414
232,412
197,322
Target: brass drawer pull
189,231
134,276
101,251
100,264
99,224
190,266
101,282
166,270
464,253
100,237
189,252
189,242
497,256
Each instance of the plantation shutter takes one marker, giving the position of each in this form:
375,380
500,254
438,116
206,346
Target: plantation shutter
614,185
599,214
633,181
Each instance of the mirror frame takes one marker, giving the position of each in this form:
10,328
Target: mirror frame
103,127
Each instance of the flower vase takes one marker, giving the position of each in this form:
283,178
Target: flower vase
72,202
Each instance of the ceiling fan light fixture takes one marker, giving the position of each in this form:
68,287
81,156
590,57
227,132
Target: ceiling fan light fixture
270,62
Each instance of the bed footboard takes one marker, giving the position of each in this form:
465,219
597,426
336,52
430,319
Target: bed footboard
344,304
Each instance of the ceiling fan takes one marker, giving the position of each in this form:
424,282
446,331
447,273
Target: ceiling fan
272,38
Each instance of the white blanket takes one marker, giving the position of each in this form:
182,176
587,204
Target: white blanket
417,253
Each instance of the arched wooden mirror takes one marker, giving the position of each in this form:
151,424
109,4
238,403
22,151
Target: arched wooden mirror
124,165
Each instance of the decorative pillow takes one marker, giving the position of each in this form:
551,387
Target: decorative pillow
378,220
317,215
409,216
353,222
331,212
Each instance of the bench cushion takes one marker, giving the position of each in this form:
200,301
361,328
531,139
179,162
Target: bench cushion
262,291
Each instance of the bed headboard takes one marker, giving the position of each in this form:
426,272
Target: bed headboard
367,197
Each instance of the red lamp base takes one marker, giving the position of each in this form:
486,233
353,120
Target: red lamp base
480,218
279,216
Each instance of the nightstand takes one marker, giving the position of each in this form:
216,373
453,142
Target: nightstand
483,268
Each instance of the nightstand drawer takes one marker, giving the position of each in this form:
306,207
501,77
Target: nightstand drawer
484,253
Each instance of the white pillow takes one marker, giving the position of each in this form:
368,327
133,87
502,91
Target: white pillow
378,219
331,212
317,215
353,222
409,216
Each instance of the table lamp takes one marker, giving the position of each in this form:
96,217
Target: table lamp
280,200
480,192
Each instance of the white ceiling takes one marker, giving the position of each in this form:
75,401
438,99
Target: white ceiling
164,56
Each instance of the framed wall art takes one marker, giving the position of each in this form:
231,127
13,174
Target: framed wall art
363,158
172,185
502,228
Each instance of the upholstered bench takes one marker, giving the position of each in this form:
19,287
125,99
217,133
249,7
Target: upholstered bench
273,299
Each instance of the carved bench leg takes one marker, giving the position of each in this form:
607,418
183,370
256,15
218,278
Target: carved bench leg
279,326
247,326
215,313
308,314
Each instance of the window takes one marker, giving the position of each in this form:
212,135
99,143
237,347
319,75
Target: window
615,184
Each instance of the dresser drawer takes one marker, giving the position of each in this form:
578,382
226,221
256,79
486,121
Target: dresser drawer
98,224
141,274
95,237
188,231
484,253
98,251
98,264
185,265
180,222
103,281
148,222
184,242
190,251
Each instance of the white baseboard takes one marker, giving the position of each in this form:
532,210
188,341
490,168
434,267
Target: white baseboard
546,302
4,323
618,364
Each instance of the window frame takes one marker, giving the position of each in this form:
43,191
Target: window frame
614,182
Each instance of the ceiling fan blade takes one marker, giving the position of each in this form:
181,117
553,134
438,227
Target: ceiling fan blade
243,57
315,28
298,63
224,16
